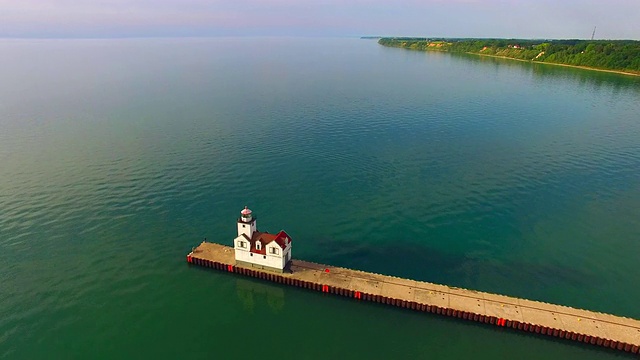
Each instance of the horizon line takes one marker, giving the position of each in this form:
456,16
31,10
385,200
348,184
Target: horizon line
115,37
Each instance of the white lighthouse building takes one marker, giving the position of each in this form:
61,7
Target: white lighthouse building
260,249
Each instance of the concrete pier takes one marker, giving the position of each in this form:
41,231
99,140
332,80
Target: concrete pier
584,326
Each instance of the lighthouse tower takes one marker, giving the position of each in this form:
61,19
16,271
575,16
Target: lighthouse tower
246,223
260,250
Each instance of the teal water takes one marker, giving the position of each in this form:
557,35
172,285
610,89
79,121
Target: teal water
118,156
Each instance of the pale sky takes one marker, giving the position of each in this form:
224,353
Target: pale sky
615,19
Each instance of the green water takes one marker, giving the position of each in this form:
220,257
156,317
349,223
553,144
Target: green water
118,156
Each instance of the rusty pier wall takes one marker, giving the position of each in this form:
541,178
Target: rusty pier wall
598,329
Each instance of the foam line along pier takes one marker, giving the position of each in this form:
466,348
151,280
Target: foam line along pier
564,322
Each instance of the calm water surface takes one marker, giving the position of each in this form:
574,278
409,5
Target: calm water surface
118,156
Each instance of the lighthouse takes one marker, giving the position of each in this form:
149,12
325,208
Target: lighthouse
246,223
260,249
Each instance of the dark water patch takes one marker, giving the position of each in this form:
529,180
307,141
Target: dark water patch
458,270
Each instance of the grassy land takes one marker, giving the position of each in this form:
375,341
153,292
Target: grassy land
620,56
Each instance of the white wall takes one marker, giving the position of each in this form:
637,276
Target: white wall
275,261
248,229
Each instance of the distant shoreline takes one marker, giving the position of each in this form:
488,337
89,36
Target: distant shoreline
612,56
552,63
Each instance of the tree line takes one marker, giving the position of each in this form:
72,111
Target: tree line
619,55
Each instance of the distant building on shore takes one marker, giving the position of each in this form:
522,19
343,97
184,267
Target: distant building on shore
260,249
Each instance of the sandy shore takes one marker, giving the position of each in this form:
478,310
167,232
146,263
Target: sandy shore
556,64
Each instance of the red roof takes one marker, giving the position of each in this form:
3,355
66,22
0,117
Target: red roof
266,238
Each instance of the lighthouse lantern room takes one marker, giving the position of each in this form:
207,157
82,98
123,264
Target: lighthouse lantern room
260,249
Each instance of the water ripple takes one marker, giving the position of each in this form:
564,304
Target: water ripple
420,170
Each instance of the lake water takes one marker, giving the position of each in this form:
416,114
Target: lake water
118,156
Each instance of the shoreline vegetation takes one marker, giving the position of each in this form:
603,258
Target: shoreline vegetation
613,56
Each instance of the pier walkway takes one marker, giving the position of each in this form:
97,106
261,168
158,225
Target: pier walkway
525,315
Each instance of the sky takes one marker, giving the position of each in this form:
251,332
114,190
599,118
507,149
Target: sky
558,19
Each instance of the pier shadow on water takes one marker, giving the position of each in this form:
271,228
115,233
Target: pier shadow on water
423,263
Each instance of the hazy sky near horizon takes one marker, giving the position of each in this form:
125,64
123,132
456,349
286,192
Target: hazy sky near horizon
615,19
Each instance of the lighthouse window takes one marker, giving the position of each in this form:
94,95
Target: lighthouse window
243,225
273,251
242,244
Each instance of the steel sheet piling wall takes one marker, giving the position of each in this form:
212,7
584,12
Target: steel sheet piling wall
402,303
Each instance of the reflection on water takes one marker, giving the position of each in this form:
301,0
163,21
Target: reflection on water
556,73
254,295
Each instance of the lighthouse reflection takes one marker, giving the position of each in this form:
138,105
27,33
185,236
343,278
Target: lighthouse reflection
254,294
